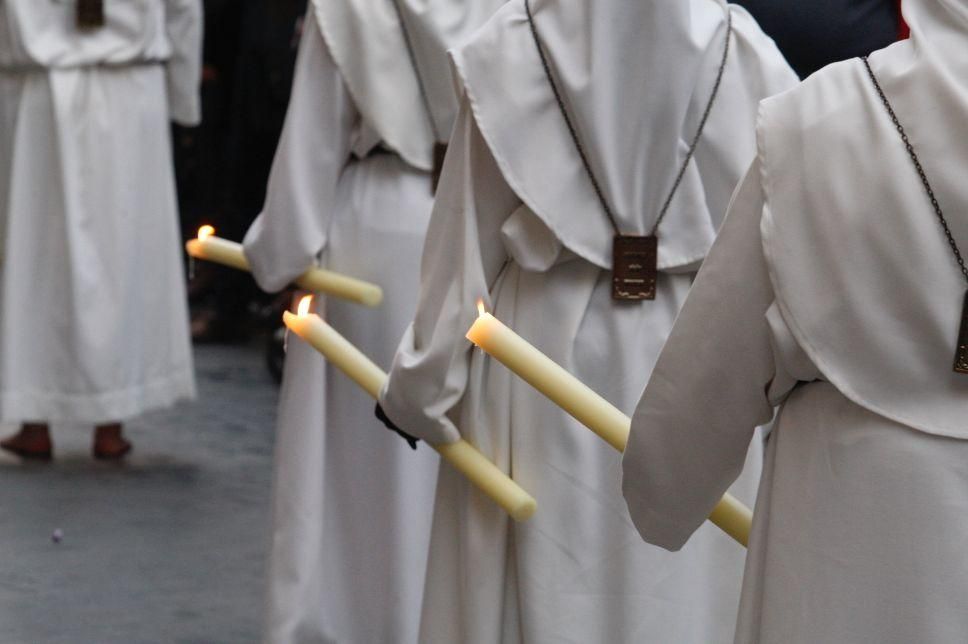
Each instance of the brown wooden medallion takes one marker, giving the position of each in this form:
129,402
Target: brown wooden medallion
90,14
635,261
961,355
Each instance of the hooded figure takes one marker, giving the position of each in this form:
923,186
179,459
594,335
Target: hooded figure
93,320
517,223
833,292
350,188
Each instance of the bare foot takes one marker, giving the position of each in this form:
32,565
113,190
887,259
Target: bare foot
109,444
31,442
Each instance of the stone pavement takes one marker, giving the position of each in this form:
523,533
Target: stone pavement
168,547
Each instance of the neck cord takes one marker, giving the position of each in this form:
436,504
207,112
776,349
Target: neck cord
573,131
920,170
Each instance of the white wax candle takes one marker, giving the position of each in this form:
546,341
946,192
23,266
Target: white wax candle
542,373
337,349
318,280
583,404
218,250
463,456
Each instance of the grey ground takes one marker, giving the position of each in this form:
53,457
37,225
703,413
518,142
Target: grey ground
168,547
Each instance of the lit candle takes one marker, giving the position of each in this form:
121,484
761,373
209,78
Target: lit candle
215,249
318,280
583,404
461,455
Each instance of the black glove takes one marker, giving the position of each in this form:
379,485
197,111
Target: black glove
411,440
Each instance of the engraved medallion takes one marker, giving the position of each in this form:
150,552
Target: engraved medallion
961,355
440,151
90,14
634,267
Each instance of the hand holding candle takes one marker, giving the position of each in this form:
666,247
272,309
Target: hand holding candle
318,280
583,404
461,454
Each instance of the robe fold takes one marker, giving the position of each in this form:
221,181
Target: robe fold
93,319
831,292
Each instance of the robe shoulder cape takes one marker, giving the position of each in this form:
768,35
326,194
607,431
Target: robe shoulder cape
44,34
850,237
366,40
513,105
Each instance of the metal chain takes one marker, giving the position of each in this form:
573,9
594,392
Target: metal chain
571,126
702,124
424,96
573,131
920,170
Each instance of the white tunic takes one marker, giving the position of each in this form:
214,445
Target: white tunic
92,297
832,292
350,187
575,571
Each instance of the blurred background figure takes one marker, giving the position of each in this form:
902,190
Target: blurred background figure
93,321
814,34
223,166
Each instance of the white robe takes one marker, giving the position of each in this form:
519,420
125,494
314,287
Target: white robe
92,297
575,571
831,291
351,502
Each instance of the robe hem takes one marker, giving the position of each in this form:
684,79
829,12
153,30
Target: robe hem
120,404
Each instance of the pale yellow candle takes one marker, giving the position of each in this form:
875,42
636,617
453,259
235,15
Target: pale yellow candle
733,517
583,404
461,455
215,249
318,280
542,373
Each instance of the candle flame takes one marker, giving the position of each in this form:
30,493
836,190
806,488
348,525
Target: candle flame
205,232
480,308
304,305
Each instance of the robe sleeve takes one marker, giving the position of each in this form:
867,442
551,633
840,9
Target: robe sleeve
463,255
291,232
708,392
183,25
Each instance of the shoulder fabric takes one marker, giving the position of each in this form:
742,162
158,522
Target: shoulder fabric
707,394
861,268
367,41
756,69
45,34
292,229
385,90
